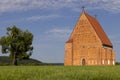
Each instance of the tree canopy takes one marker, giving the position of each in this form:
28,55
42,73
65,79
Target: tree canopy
18,43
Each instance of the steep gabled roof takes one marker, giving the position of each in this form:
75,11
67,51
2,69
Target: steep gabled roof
98,29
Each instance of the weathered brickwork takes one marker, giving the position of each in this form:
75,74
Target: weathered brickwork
88,44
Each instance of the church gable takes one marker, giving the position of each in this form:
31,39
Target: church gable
84,33
83,25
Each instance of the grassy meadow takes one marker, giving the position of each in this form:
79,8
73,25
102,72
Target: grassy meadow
59,73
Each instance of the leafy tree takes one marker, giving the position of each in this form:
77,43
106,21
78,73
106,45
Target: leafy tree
17,43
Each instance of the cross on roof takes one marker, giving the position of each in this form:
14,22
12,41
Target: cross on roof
83,8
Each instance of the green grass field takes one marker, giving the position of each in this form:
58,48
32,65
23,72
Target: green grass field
59,73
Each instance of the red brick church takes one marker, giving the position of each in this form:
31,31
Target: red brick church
88,44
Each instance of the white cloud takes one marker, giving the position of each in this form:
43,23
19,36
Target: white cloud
108,5
31,18
44,17
56,30
58,33
18,5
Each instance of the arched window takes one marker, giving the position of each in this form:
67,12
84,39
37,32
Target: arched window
113,62
108,61
103,62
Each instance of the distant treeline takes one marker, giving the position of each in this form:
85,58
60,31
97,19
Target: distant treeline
117,63
6,61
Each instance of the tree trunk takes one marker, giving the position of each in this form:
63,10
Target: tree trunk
14,60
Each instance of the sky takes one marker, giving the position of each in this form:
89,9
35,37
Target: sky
52,21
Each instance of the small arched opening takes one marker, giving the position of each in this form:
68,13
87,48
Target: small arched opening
83,62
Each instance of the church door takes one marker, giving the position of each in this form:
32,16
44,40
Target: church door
83,62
